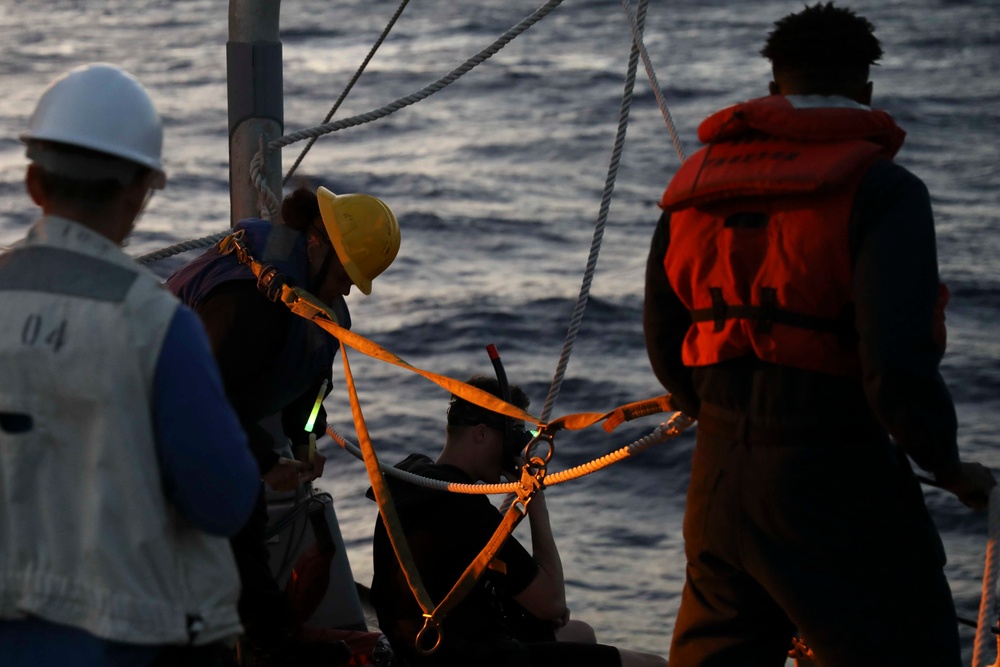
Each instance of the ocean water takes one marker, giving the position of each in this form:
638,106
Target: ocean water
497,182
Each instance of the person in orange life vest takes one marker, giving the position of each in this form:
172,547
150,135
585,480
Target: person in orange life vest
274,362
793,306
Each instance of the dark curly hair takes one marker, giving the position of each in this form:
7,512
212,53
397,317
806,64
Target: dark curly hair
826,49
300,209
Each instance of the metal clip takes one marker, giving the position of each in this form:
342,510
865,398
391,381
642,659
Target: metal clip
226,245
528,454
431,624
270,282
532,475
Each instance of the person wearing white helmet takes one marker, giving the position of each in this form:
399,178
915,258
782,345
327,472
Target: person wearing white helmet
124,468
274,362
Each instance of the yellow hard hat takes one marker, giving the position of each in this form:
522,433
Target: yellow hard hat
364,232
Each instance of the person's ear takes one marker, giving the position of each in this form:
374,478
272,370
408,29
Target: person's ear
33,185
480,432
774,88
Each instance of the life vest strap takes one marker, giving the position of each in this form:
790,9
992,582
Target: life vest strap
767,314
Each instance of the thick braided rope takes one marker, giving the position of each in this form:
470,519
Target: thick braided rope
657,92
438,85
350,85
985,639
270,205
183,246
674,426
602,219
666,431
401,103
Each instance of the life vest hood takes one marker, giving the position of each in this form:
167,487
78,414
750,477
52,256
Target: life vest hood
777,117
807,151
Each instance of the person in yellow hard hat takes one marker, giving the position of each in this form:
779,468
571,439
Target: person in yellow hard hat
274,362
364,233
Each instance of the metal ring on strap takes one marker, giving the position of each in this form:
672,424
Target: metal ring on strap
431,624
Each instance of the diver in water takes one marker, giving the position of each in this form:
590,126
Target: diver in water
793,307
123,468
516,614
275,363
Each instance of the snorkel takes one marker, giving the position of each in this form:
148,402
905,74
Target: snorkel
512,444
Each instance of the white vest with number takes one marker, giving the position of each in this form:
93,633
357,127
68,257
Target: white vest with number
87,537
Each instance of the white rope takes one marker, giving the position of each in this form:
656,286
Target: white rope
270,205
401,103
666,431
674,426
349,86
602,219
657,92
988,611
426,92
183,246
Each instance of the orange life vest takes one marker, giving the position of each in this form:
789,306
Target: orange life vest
759,232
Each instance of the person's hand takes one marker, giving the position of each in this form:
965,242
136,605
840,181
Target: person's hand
970,482
287,474
314,471
283,476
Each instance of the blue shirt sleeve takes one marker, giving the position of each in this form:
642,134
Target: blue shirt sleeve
206,466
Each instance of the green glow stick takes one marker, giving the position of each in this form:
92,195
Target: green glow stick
315,411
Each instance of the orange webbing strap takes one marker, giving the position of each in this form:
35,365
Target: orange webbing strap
433,614
468,579
306,305
614,419
383,496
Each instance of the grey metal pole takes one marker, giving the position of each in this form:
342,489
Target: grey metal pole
256,100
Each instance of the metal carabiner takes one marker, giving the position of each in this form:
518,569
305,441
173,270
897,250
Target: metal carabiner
430,623
527,454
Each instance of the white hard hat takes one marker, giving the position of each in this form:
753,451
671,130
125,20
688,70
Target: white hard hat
102,108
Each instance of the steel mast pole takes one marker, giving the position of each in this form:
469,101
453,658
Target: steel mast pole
256,100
